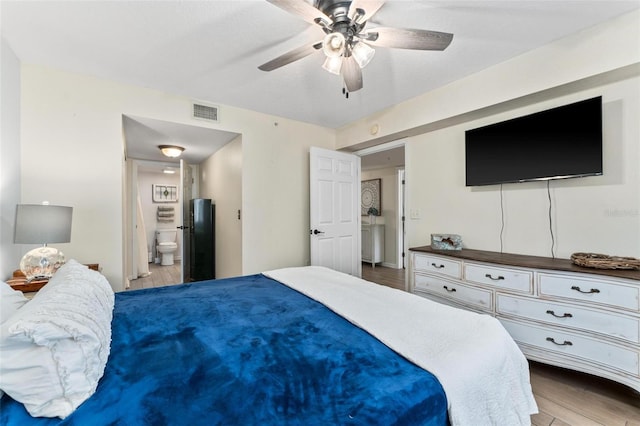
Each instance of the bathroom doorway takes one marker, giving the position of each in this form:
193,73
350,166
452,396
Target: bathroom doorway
201,146
154,215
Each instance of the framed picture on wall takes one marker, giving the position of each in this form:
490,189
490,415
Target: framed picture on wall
370,196
165,193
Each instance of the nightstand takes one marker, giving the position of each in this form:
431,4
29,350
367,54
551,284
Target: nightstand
19,281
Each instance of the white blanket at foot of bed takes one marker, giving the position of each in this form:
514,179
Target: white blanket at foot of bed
483,372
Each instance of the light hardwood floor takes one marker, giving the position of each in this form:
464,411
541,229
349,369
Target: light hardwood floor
564,397
160,276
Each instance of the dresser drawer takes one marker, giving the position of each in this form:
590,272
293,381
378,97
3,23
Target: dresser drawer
577,346
568,315
598,291
448,267
455,291
512,279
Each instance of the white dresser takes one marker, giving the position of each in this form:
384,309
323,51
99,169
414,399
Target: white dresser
373,244
558,313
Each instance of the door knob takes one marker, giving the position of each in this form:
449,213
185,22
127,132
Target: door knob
316,232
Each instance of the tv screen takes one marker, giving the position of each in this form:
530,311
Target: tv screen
562,142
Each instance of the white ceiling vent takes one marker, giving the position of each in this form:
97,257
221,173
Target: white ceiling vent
205,112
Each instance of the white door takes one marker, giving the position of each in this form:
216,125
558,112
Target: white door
184,217
335,210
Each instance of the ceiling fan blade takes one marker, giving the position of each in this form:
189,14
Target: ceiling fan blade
370,8
290,56
406,38
351,74
301,9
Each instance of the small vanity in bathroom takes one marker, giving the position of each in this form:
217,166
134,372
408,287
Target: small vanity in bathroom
372,243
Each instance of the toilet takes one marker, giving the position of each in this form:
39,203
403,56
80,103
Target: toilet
167,246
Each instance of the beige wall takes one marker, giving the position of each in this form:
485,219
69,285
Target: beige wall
221,180
541,74
72,154
10,253
275,225
595,214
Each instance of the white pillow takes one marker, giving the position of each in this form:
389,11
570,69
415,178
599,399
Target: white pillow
55,348
10,301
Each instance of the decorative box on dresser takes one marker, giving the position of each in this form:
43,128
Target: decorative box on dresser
557,312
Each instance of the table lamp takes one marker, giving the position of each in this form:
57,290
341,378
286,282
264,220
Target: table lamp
42,224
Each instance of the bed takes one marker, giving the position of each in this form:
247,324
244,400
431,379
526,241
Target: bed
295,346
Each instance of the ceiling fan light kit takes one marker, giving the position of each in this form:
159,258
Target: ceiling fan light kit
344,44
334,45
333,64
362,53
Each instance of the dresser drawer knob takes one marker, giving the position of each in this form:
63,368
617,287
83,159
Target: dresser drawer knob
437,266
450,290
500,277
593,290
559,316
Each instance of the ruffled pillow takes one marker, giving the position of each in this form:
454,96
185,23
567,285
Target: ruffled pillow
10,301
55,348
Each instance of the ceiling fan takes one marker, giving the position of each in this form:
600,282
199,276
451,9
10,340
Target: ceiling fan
346,44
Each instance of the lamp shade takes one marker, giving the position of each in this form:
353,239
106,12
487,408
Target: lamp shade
42,224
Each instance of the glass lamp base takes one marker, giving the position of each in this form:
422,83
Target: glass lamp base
41,262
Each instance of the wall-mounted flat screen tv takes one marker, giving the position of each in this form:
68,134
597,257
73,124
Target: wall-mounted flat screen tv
558,143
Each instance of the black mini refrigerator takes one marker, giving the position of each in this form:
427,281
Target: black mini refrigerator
202,254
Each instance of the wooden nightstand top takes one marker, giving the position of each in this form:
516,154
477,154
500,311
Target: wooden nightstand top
19,281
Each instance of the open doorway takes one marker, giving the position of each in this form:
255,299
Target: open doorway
155,216
383,165
157,197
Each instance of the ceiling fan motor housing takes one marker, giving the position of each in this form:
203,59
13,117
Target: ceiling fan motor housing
338,11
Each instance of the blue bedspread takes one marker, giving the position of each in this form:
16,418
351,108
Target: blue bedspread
246,351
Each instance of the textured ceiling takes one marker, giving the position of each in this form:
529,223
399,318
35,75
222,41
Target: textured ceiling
211,50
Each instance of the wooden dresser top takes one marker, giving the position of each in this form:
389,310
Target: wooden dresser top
526,261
